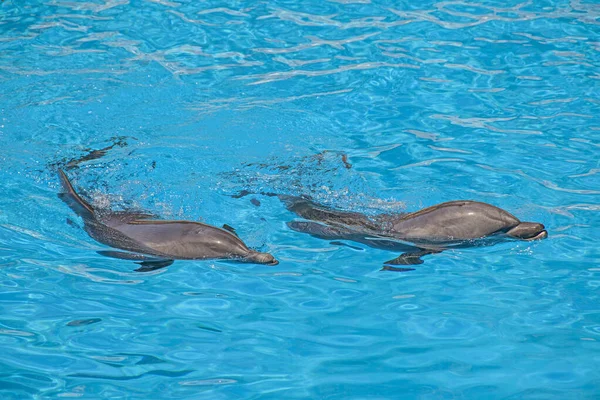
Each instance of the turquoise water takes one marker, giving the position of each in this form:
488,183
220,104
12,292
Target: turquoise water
495,101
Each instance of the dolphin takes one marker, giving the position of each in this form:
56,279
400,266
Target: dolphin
461,223
155,243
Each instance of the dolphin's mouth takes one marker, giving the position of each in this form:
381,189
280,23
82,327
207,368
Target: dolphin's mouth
542,235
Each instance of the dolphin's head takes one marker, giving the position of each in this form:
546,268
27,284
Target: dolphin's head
260,258
528,231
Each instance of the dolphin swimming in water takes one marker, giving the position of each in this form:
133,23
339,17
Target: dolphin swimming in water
461,223
156,243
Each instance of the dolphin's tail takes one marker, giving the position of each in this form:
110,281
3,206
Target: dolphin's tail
73,200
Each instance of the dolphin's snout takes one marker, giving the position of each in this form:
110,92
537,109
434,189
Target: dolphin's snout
262,258
529,231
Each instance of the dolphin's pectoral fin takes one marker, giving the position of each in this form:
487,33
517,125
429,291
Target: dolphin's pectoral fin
147,266
230,229
411,258
406,259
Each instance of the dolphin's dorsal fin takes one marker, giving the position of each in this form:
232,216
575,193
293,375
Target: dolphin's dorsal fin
230,229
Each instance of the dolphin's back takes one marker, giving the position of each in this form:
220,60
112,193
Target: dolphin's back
182,239
453,221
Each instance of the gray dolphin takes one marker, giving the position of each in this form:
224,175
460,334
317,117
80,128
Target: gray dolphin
461,223
156,243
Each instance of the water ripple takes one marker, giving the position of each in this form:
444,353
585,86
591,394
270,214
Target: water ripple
369,106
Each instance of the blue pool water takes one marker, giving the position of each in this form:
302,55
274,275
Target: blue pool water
495,101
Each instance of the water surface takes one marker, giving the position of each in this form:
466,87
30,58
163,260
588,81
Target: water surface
430,101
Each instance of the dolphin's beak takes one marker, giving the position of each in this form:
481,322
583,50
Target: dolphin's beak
261,258
528,231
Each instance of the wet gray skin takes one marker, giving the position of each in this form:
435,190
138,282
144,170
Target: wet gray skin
156,243
431,230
